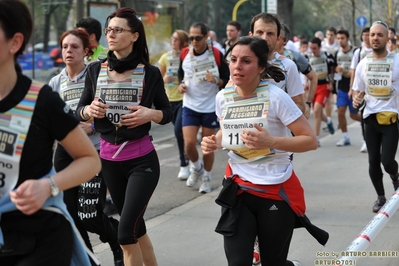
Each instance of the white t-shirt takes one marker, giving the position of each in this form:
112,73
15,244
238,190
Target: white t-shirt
290,45
198,97
355,58
373,104
292,83
282,112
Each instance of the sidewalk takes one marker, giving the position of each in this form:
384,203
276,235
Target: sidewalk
339,197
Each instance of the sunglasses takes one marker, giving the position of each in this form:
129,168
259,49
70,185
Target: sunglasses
381,23
196,38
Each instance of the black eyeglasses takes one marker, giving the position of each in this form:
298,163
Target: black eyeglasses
196,38
381,23
116,30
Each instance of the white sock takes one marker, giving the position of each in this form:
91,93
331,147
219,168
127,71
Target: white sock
197,165
208,174
346,135
328,120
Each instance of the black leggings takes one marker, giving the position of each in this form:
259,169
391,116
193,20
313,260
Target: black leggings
88,216
131,184
272,221
382,143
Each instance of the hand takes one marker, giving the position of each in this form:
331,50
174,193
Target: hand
209,144
257,140
97,109
350,93
210,77
307,111
330,86
339,69
358,99
168,79
182,88
30,196
86,127
139,116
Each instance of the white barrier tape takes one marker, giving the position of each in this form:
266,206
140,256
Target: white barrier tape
372,229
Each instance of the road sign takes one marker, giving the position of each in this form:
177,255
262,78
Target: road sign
361,21
272,6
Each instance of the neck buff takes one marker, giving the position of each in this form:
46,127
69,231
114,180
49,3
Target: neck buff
121,65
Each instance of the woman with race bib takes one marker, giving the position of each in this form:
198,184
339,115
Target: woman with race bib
119,94
84,204
169,64
261,196
35,226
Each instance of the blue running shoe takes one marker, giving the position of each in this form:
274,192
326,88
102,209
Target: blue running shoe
330,127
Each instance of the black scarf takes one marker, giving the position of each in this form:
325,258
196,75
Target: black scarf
121,65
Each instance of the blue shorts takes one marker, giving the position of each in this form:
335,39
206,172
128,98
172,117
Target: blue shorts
193,118
344,100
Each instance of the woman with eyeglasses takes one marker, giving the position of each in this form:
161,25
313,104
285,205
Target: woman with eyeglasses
202,72
35,226
168,64
85,208
119,94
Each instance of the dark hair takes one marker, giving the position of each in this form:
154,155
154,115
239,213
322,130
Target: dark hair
235,23
304,42
316,41
393,41
393,30
260,48
16,18
343,31
91,25
332,29
202,26
267,18
286,31
364,30
135,25
82,35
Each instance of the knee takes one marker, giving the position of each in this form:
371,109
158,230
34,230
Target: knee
190,146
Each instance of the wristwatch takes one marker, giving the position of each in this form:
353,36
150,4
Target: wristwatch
53,186
309,103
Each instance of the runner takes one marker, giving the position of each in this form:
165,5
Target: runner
202,72
124,94
36,228
377,77
233,31
168,64
254,179
324,64
86,202
343,57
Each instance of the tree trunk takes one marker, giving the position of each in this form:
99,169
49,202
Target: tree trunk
285,13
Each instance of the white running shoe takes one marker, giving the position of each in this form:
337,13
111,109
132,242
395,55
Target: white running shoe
256,256
184,172
206,185
344,142
296,263
194,176
363,149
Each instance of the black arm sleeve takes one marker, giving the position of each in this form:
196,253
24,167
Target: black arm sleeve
89,90
161,101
